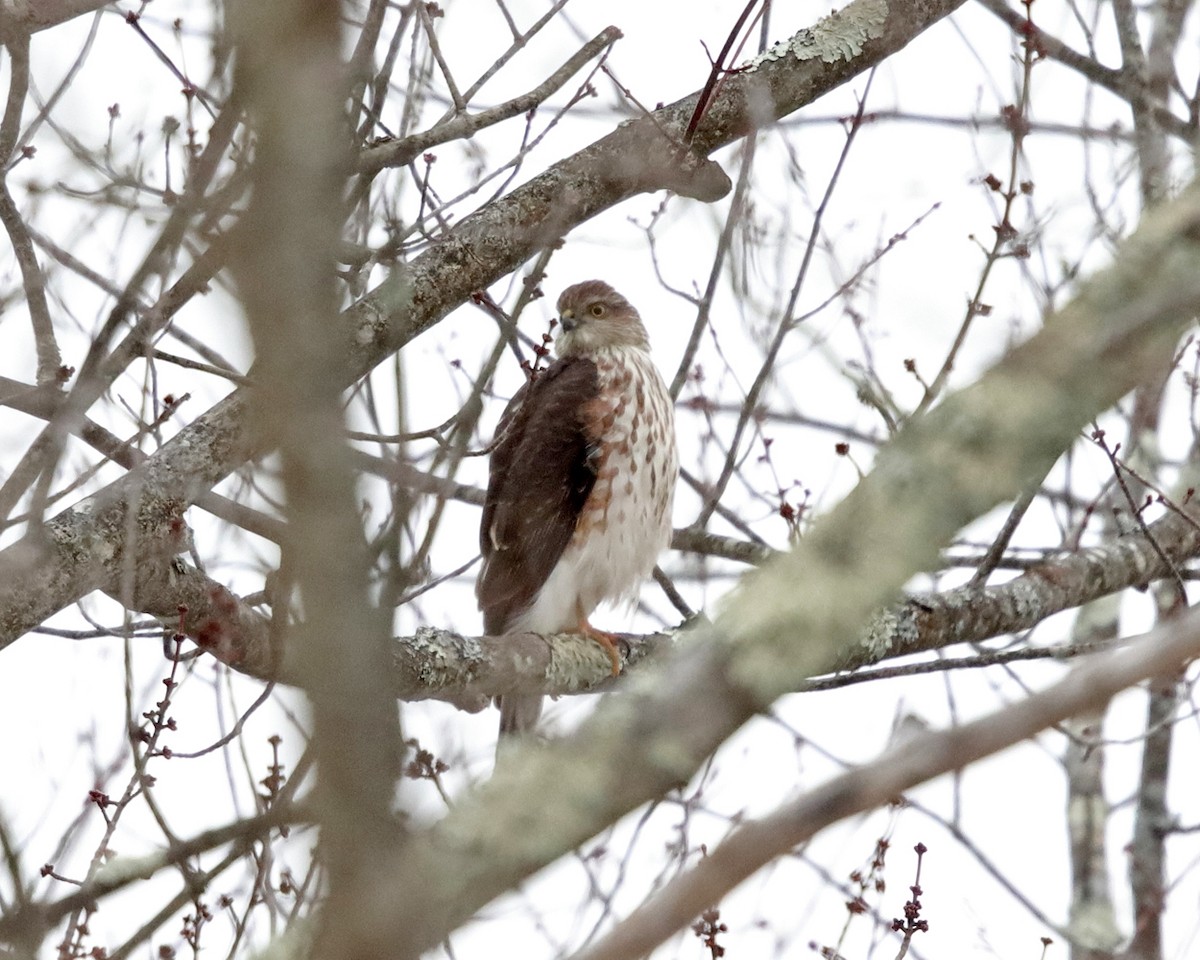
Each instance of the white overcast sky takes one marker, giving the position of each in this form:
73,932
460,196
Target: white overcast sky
63,701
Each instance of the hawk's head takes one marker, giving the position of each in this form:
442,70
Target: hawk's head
595,316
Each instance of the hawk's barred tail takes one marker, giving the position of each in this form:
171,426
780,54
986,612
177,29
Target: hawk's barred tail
518,715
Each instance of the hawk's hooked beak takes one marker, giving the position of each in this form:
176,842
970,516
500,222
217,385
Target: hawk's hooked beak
568,321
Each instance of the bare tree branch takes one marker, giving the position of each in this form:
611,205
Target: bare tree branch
462,125
916,761
290,74
22,17
467,671
1120,82
49,364
969,614
795,616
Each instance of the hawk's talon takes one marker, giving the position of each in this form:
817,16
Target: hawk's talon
607,640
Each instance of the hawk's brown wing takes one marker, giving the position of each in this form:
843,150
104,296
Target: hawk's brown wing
542,472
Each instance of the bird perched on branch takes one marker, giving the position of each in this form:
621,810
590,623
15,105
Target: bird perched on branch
581,482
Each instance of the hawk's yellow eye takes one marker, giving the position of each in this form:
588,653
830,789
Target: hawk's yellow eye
596,309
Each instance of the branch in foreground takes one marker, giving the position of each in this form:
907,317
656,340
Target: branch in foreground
795,617
905,766
288,62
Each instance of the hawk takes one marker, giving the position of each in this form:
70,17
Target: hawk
580,485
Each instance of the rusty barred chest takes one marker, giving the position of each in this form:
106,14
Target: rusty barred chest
626,521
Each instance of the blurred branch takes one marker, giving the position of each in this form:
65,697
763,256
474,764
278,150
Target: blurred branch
49,358
290,74
794,617
917,760
43,402
21,19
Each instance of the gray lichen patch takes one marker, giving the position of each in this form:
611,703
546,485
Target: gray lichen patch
442,664
445,658
839,36
887,629
574,662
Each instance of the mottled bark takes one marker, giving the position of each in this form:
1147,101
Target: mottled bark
444,665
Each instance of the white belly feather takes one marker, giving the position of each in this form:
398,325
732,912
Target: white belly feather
626,522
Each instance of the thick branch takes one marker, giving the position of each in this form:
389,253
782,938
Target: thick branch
431,665
970,614
466,671
289,72
916,761
795,616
